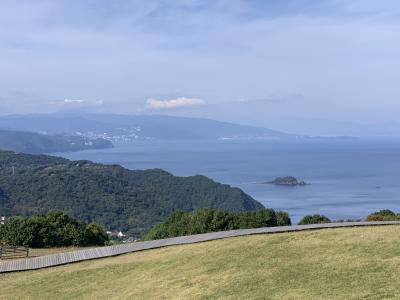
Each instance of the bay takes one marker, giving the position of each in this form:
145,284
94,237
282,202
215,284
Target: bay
348,178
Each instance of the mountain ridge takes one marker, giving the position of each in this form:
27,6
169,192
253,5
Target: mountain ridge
36,143
127,128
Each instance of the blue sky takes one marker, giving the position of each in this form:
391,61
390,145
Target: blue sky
252,62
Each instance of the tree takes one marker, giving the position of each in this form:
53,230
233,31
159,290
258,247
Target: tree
55,229
383,215
314,219
282,218
95,234
208,220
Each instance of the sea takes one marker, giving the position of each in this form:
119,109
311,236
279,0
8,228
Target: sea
348,179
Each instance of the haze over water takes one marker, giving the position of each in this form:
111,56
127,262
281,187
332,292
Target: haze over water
349,179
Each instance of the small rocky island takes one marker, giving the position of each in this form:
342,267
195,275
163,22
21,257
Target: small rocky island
288,181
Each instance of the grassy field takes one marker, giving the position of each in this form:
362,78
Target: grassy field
351,263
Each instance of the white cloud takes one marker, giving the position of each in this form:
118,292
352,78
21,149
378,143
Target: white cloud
272,99
77,103
83,102
73,101
174,103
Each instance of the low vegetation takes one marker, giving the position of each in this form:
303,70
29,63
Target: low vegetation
207,220
383,215
52,230
347,263
314,219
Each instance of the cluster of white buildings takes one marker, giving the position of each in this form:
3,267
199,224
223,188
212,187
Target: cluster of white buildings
116,234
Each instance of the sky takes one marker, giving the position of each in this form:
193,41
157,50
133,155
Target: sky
254,62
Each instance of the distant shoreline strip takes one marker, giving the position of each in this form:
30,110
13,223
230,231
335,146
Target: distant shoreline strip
58,259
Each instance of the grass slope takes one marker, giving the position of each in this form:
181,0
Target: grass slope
351,263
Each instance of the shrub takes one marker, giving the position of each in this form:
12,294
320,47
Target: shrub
383,215
207,220
55,229
95,235
282,218
314,219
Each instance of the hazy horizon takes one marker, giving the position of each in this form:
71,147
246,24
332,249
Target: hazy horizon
274,64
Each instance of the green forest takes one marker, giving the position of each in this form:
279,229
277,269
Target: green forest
118,198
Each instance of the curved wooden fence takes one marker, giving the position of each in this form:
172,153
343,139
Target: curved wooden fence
102,252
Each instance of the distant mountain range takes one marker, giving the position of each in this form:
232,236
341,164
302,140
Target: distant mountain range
125,128
121,199
31,142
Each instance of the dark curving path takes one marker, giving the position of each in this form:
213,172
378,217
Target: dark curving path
101,252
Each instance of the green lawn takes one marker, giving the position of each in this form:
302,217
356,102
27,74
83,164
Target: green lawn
350,263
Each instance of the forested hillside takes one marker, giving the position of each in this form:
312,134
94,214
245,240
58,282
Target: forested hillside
120,199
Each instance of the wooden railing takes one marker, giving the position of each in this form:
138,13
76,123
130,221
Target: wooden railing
12,252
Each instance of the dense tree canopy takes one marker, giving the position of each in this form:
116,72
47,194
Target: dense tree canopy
383,215
314,219
208,220
121,199
55,229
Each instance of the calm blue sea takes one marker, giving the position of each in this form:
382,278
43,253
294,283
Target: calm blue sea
349,179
